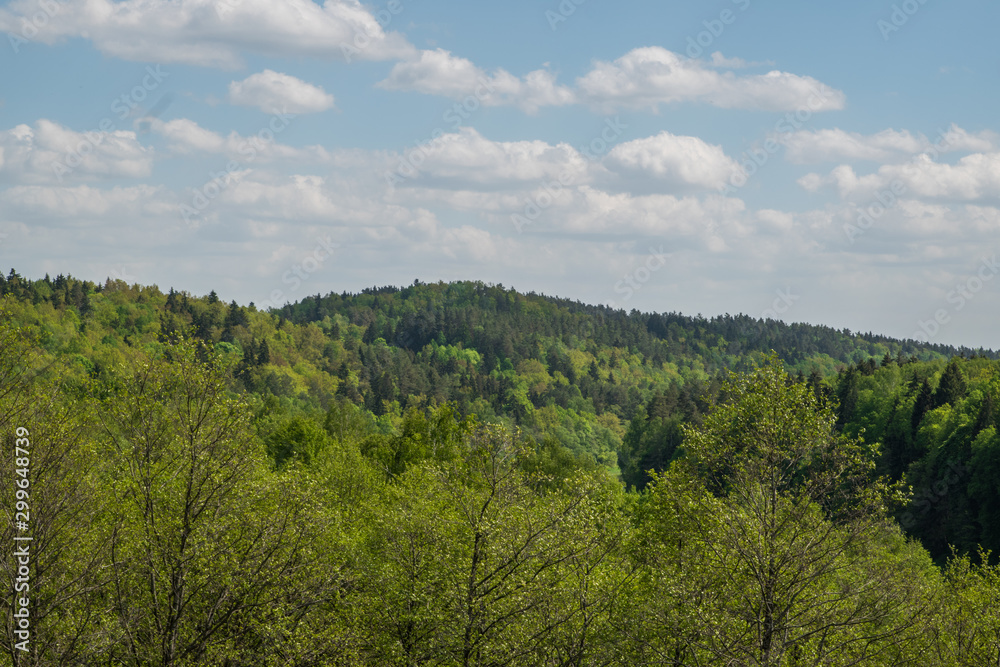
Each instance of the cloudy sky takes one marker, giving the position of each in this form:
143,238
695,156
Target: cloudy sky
834,163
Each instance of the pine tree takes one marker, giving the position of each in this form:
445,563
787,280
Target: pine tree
924,403
847,395
952,385
263,354
986,414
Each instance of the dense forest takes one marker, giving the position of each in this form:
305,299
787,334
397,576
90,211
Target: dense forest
461,474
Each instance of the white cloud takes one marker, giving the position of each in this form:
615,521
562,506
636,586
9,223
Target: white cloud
974,177
813,146
438,72
466,158
719,60
957,139
185,136
712,223
274,92
214,33
643,78
79,203
51,153
651,76
465,162
310,198
675,160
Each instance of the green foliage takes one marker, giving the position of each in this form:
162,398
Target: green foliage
970,613
768,543
558,369
936,423
297,439
203,537
435,436
463,475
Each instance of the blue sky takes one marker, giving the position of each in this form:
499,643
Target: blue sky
834,163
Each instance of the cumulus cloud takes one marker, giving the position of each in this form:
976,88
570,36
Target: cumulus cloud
438,72
974,177
711,223
50,153
643,78
274,92
467,158
673,160
473,173
814,146
652,76
80,202
215,33
719,60
184,136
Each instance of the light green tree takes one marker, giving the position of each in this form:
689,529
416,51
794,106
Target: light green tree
771,541
473,562
967,626
211,551
63,506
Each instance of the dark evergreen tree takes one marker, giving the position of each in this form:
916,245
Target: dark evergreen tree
924,403
815,382
264,353
235,316
952,385
986,416
847,395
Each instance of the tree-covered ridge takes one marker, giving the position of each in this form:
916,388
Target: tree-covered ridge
180,520
937,422
463,475
559,369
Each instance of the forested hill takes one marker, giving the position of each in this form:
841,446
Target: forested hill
562,370
503,323
459,474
